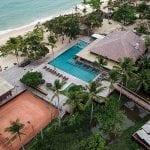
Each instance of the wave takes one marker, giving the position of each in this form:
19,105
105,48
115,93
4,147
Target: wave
42,20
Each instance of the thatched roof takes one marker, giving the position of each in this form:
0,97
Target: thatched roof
118,45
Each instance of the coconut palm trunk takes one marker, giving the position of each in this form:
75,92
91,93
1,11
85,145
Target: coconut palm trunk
56,88
42,137
16,54
22,146
59,111
53,57
92,108
93,89
15,129
120,94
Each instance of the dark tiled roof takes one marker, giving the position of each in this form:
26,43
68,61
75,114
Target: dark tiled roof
118,45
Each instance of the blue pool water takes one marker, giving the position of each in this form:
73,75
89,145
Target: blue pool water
67,63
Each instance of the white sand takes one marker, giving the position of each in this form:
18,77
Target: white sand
20,31
23,30
106,28
9,60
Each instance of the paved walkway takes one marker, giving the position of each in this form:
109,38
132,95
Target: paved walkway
14,74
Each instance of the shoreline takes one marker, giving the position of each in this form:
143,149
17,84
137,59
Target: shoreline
22,30
9,61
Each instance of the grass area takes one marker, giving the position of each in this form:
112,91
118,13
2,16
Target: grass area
125,141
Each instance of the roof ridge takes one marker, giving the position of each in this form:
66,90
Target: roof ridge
122,38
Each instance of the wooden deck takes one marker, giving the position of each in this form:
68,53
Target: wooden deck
133,96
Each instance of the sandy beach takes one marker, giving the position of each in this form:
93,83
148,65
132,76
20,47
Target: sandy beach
10,60
4,36
20,31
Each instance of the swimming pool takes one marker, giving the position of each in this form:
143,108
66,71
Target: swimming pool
66,62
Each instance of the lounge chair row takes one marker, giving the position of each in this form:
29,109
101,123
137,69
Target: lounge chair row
53,71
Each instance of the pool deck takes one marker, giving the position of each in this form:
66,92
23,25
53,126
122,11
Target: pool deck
14,74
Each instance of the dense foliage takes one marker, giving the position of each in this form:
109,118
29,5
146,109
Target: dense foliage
32,79
64,25
31,45
93,20
144,10
95,4
125,14
142,28
111,121
134,76
94,142
70,25
75,132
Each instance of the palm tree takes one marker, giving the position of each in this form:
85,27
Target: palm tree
84,2
15,128
84,9
110,9
72,27
125,69
35,47
144,63
113,77
52,39
101,62
141,80
57,89
15,45
95,4
93,89
75,100
147,42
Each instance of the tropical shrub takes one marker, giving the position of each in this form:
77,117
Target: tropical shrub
32,79
125,14
142,29
142,7
93,20
110,121
93,142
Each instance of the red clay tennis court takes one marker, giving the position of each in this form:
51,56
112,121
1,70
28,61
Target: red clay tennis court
25,107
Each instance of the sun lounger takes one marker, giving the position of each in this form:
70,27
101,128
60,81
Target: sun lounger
44,67
60,75
47,68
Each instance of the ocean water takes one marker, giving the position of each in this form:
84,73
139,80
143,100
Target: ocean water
17,13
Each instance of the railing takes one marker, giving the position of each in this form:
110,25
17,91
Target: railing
133,93
133,96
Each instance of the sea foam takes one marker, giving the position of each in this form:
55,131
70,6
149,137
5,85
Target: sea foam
42,20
